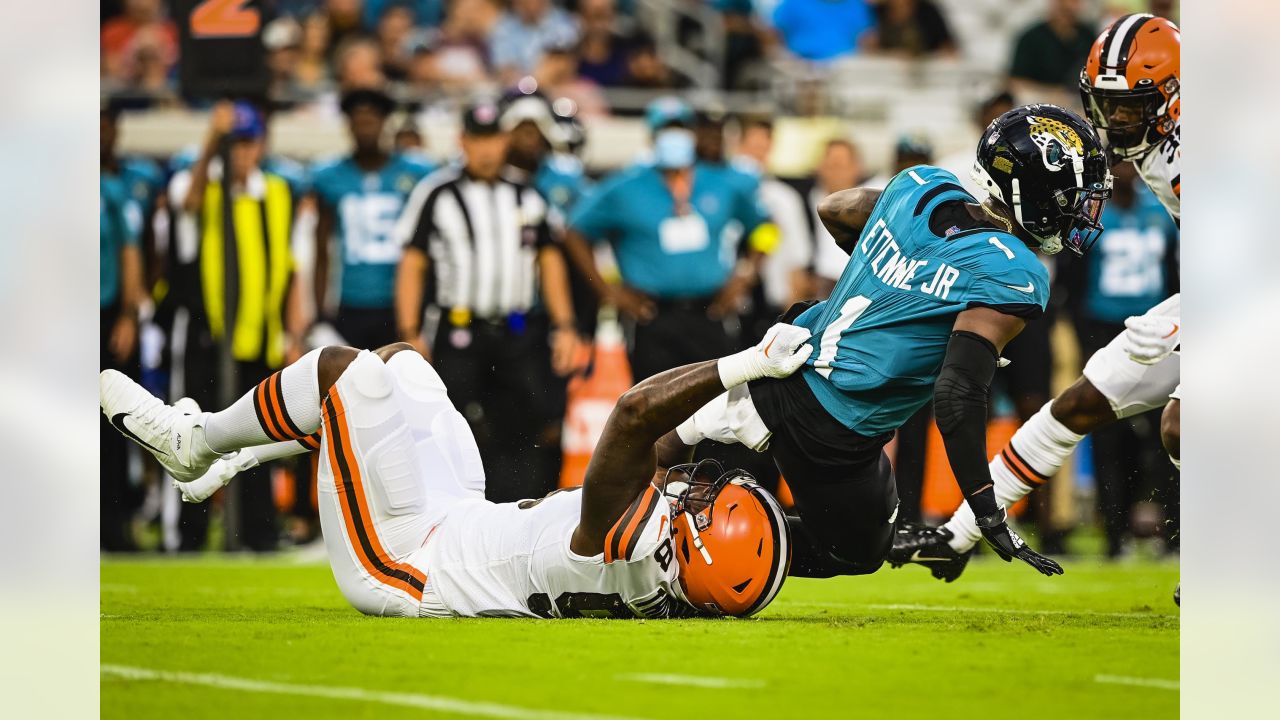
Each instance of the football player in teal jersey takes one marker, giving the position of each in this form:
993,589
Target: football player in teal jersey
936,284
360,197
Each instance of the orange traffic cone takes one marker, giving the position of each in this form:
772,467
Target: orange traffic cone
591,398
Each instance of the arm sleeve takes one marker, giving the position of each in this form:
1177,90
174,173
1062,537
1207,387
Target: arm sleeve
751,211
1021,290
131,220
960,406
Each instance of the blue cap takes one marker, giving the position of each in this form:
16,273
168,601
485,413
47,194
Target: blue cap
673,149
248,124
668,110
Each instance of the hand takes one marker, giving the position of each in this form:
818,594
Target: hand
633,303
221,120
728,300
782,351
1009,545
124,337
293,349
218,475
1148,339
564,350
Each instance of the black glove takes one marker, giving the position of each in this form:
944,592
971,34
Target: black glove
1009,545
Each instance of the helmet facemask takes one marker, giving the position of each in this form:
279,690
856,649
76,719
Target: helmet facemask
693,487
731,539
1132,120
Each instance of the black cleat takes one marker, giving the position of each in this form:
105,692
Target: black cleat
1177,595
927,546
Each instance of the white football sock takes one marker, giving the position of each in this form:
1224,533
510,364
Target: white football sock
285,406
1034,453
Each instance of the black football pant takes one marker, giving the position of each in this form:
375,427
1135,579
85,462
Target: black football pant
118,496
842,482
680,334
257,512
1129,461
366,328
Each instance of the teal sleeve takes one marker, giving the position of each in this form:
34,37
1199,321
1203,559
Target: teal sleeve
1020,285
320,184
127,217
593,214
751,210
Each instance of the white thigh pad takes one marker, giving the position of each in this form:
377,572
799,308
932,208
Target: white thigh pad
395,475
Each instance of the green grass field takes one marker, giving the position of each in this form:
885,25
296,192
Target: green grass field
244,638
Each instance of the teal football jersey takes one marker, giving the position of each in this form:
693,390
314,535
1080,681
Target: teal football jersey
366,206
880,338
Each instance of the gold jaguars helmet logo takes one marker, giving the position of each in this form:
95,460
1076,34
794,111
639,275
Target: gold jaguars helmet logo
1058,143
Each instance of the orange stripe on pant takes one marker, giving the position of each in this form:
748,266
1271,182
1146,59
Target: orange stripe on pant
355,512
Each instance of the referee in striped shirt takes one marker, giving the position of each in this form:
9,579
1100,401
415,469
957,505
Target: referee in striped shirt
499,324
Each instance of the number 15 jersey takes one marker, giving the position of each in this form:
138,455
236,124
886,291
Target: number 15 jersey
880,338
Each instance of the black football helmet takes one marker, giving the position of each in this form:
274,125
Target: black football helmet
1047,165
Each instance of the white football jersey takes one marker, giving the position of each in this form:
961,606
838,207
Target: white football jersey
513,560
1161,170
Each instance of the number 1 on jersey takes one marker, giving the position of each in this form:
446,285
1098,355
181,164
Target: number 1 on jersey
849,313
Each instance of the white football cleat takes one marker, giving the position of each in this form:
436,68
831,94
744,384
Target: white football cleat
175,438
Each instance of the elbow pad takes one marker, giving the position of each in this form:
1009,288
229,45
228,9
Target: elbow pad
960,407
964,381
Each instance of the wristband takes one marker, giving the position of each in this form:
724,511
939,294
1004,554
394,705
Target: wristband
738,368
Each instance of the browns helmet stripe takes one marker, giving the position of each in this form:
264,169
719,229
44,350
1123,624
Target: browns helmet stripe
781,548
1116,53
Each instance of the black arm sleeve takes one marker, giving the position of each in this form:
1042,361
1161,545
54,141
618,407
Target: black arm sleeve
960,406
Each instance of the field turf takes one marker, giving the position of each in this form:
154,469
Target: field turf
272,638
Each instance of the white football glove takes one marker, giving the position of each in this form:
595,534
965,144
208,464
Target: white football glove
782,351
1148,339
218,475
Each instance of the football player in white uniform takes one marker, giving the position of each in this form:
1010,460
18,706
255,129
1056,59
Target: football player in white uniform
1130,87
401,486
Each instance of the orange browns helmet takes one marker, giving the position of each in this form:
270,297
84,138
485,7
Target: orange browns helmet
731,539
1130,83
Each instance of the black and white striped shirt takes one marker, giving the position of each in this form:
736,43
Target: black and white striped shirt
482,240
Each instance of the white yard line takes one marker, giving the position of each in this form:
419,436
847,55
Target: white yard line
1136,681
991,610
701,681
415,700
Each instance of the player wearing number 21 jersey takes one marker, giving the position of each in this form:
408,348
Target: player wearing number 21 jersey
401,491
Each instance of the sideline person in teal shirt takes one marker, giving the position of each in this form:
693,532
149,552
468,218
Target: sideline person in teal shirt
677,228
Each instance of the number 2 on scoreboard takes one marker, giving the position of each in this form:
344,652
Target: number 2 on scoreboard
224,18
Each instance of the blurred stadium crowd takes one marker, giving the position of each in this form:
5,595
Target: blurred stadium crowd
544,263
